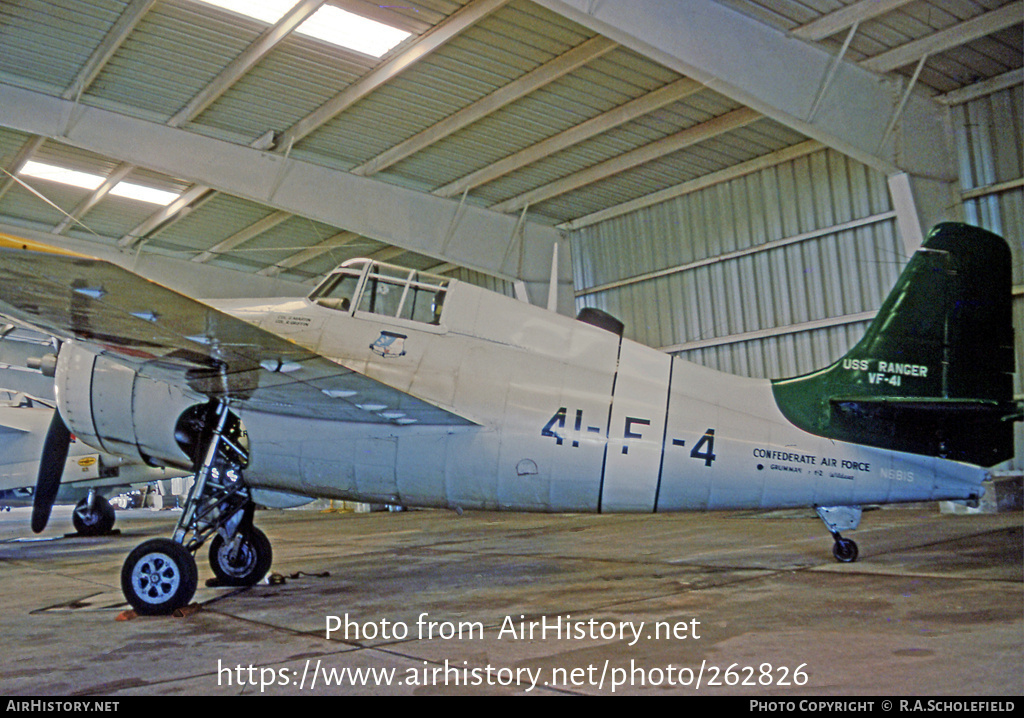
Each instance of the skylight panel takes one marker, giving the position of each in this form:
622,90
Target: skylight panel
139,192
268,11
340,27
330,24
87,180
63,175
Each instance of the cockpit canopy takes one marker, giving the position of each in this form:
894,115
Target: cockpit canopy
363,285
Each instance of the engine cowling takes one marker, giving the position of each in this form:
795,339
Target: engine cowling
110,407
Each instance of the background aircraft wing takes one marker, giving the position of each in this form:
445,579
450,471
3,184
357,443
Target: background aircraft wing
11,430
167,335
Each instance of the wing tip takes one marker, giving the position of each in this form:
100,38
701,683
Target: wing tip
10,241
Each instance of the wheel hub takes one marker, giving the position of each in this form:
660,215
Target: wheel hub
238,562
156,577
89,518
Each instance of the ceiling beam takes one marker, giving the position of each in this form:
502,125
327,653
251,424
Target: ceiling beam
515,90
244,62
310,253
231,74
116,36
185,199
459,21
111,181
985,87
240,237
692,135
24,155
264,44
838,20
416,221
386,254
604,122
779,76
965,32
757,164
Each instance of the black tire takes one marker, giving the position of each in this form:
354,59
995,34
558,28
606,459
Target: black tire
158,577
845,550
251,564
98,521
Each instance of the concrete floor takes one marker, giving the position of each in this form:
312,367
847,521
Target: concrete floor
933,607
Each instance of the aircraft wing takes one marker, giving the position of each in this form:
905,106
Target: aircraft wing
169,336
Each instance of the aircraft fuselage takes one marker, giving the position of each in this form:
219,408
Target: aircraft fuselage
569,417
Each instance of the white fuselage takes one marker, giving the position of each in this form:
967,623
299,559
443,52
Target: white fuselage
567,416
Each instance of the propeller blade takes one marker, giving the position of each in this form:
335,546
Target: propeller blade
51,468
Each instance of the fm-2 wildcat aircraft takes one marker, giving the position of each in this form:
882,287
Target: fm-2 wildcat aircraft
389,385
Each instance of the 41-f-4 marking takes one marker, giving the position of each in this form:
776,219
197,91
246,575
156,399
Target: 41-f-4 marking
704,449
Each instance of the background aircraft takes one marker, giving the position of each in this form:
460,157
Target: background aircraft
87,476
388,385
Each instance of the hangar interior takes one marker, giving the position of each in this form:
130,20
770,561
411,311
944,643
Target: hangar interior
739,181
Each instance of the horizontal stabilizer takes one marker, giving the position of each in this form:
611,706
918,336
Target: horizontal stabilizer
975,431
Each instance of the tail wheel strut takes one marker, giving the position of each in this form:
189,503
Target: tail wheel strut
835,518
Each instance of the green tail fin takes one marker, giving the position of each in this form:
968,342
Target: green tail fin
933,373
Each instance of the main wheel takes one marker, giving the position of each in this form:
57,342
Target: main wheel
158,577
249,563
94,521
845,550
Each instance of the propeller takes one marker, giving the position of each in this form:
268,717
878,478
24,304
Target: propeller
51,467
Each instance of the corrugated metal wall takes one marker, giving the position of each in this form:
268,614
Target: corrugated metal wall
778,273
809,244
989,133
990,147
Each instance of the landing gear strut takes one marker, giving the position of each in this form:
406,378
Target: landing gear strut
160,575
841,517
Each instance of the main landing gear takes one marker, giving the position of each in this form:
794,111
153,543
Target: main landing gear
845,518
160,575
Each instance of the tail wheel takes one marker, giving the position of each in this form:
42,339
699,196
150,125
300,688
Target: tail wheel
245,566
845,550
96,520
158,577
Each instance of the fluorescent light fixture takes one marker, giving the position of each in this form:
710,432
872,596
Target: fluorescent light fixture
87,180
52,173
329,24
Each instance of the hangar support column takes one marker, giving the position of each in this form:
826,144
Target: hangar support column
921,203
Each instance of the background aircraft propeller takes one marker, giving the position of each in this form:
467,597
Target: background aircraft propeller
51,468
